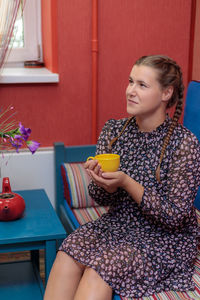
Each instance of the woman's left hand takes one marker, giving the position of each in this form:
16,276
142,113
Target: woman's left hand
109,181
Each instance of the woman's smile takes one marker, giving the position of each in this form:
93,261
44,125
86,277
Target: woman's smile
131,101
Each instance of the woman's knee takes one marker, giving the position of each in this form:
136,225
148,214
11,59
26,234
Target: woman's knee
91,274
93,287
64,277
95,279
66,264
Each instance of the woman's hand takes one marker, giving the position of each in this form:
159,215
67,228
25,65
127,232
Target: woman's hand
93,165
109,181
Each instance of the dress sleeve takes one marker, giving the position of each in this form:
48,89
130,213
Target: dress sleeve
101,196
171,202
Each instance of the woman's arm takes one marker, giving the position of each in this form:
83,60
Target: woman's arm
171,201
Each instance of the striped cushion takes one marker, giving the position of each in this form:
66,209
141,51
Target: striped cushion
84,215
198,216
75,182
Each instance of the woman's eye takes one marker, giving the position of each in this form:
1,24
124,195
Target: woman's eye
130,81
142,85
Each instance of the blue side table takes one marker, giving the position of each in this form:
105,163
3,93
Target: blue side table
39,228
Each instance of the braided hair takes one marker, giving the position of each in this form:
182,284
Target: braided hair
169,74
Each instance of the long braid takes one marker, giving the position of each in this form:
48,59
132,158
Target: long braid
116,138
176,98
174,122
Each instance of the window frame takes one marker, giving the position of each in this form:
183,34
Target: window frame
32,49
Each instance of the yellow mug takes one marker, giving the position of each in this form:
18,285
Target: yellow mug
109,162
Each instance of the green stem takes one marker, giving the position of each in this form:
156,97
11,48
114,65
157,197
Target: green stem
9,133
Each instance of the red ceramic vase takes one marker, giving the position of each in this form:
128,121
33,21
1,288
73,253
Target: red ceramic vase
12,205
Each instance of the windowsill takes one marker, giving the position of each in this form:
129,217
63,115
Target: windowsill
27,75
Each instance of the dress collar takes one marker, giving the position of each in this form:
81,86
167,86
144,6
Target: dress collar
162,128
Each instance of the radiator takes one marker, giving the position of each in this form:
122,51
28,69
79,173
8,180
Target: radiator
30,171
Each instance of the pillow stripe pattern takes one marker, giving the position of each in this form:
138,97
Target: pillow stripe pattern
84,215
77,180
198,216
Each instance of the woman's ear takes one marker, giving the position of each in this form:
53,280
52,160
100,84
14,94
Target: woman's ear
167,93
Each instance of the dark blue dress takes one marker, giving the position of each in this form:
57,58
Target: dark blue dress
142,249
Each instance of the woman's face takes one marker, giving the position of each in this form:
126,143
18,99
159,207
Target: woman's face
144,95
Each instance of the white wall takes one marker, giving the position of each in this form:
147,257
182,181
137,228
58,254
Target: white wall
27,171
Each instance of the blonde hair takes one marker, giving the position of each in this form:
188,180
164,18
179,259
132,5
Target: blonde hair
169,74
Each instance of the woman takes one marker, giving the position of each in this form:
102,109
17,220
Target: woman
147,242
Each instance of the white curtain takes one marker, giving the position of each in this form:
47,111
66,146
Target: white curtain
9,10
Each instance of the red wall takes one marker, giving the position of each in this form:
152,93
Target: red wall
127,30
196,52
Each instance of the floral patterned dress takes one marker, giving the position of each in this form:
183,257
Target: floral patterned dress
142,249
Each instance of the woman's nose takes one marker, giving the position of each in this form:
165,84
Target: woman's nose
132,89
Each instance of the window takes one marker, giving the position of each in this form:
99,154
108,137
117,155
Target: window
27,44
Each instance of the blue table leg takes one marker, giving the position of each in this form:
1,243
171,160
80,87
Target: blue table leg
35,258
50,255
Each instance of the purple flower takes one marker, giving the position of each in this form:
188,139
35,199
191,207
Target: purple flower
32,145
16,142
12,134
25,132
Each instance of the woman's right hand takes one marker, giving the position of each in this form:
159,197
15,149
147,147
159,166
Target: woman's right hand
93,165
